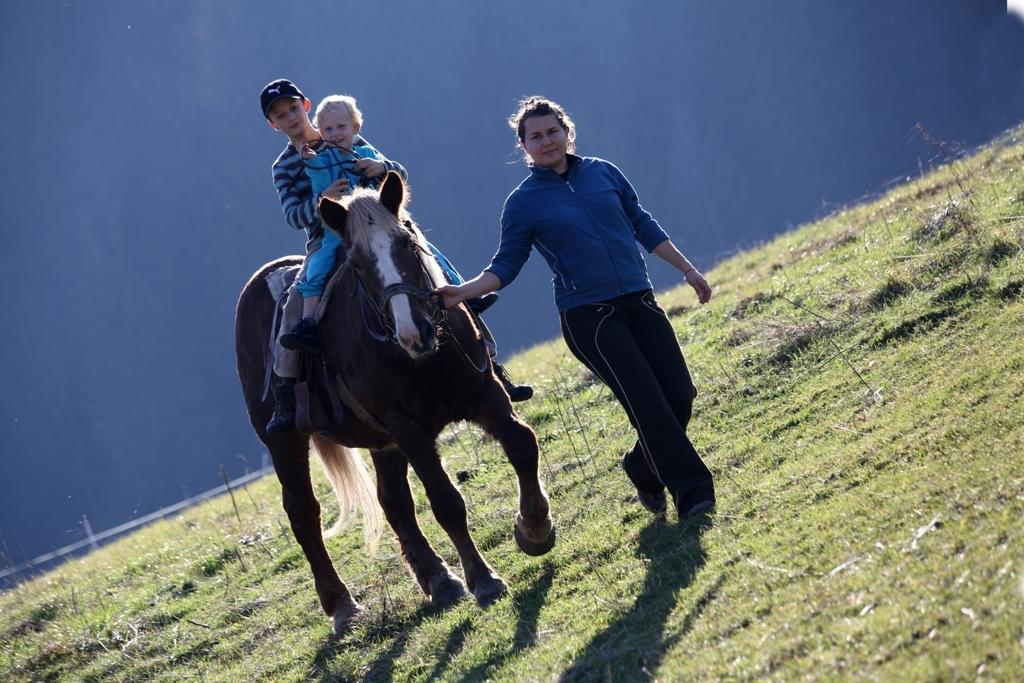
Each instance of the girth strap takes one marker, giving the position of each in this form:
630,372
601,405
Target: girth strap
350,401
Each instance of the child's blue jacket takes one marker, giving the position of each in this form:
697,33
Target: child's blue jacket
332,163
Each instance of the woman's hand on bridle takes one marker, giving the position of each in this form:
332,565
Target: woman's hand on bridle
451,295
370,168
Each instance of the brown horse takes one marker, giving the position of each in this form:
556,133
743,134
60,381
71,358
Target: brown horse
406,368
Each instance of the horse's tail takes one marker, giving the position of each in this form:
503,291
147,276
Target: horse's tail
353,488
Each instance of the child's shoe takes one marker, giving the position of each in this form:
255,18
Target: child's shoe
481,304
516,392
303,337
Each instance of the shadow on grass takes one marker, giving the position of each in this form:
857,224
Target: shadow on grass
633,646
382,668
528,604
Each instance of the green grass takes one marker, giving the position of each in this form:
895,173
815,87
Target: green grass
861,397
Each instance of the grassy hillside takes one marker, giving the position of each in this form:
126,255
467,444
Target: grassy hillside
861,397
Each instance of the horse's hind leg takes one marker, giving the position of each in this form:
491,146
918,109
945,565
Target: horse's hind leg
290,454
534,531
450,511
433,575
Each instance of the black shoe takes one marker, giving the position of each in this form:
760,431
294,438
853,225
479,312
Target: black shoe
283,419
649,490
653,502
516,392
695,503
704,506
481,304
303,337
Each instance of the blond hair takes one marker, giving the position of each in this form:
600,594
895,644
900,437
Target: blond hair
339,103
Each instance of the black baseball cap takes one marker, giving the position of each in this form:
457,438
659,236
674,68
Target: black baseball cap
274,91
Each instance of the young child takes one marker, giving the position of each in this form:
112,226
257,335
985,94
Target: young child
326,161
339,121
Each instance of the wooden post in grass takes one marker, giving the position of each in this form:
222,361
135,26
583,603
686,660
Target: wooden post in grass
89,534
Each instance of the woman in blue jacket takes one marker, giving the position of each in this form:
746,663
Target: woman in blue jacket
585,219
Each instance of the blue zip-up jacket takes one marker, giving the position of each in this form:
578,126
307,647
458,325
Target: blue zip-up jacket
332,163
295,191
586,228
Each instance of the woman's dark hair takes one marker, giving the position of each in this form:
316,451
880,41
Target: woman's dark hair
536,105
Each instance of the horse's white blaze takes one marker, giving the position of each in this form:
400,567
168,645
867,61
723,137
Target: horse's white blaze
408,333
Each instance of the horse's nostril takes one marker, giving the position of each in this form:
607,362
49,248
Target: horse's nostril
422,344
427,333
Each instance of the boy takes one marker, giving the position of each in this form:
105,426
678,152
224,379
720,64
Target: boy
287,111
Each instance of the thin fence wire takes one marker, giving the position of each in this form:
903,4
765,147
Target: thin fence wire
92,539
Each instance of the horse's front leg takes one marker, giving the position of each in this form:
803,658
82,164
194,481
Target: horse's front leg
534,531
395,498
290,455
450,511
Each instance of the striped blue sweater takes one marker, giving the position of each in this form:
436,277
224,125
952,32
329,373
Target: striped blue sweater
295,191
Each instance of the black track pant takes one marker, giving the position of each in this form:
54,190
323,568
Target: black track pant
629,343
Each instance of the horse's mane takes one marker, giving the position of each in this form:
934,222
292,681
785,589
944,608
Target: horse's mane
366,215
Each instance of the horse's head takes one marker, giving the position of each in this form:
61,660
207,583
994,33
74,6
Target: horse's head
393,262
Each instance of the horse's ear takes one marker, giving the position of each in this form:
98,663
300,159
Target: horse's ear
333,214
392,192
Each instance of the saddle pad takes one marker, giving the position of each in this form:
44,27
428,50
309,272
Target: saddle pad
279,280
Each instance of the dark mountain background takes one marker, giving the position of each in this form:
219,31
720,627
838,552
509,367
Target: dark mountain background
137,197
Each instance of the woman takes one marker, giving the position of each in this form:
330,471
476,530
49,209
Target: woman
585,219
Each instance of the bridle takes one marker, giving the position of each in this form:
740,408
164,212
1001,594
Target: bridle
379,324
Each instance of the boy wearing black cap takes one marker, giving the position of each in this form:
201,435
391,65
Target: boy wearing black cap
287,110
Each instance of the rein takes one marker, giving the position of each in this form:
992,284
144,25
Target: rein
379,326
320,145
482,367
374,313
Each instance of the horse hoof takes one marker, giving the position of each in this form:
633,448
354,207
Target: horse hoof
447,591
530,547
344,619
489,591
